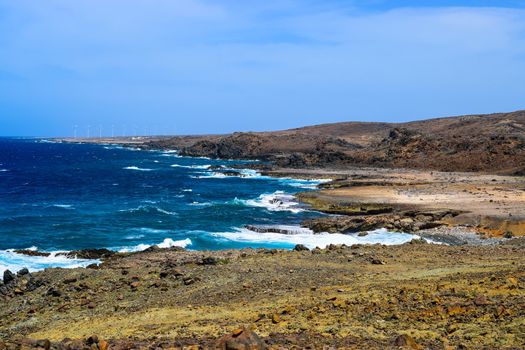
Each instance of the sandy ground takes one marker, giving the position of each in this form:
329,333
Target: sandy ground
494,204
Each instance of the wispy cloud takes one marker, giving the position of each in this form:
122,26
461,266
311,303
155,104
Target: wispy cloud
253,65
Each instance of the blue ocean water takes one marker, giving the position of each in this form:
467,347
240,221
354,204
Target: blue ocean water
63,196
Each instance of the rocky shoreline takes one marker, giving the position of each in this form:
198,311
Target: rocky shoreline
415,296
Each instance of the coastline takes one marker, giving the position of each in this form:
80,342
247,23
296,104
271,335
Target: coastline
358,296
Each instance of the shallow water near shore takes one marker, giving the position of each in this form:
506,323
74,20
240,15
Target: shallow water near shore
62,196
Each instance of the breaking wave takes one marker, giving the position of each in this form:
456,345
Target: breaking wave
9,260
166,243
137,168
277,201
300,235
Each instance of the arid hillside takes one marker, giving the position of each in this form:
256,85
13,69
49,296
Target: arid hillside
493,143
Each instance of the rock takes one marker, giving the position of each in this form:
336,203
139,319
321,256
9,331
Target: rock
418,241
89,254
512,281
54,292
376,261
405,341
276,318
481,300
188,280
237,332
2,345
70,280
31,252
8,277
241,339
103,345
92,340
134,284
210,260
300,248
23,272
269,228
362,234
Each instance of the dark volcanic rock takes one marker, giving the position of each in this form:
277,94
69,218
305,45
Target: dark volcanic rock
23,272
271,229
31,252
90,254
300,248
8,277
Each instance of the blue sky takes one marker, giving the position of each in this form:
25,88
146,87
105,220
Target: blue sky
199,66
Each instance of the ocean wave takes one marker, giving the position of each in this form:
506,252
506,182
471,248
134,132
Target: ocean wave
131,237
198,204
166,243
277,201
202,167
4,170
9,260
64,206
253,174
137,168
187,190
148,209
308,238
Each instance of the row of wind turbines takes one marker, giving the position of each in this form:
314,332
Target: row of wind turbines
90,131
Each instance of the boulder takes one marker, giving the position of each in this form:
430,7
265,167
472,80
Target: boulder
301,247
23,272
240,339
8,277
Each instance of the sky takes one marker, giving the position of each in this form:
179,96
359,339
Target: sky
130,67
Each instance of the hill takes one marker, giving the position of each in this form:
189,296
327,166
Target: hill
493,143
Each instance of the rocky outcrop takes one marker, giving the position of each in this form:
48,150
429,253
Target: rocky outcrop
409,221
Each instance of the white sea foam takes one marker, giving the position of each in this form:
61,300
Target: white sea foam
277,201
202,167
134,237
187,190
151,230
308,238
64,206
145,208
166,243
4,170
253,174
137,168
198,204
9,260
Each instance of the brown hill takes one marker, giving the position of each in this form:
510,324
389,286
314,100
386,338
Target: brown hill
488,143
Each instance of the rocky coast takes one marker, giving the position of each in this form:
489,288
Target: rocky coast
457,182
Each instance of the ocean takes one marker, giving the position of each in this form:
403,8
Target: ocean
58,197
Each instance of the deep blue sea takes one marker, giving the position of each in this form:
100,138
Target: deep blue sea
64,196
